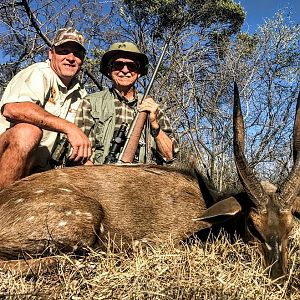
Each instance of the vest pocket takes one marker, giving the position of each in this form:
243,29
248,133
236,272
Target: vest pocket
98,128
101,122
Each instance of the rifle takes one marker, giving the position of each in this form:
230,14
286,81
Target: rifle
136,127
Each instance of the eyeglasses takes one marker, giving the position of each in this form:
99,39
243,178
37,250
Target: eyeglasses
119,65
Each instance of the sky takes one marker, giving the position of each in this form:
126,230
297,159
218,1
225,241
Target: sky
258,10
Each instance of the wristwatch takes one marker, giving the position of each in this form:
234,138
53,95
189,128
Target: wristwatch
155,131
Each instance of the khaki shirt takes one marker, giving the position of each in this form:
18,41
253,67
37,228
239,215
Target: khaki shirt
39,84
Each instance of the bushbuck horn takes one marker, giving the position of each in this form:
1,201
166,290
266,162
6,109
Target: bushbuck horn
291,186
296,133
270,220
249,181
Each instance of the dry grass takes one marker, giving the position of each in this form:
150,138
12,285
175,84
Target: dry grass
214,270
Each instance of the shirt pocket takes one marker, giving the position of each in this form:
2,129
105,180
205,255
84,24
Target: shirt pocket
53,109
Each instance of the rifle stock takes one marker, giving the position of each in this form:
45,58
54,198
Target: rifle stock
127,155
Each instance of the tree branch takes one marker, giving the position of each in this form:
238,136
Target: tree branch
34,23
36,26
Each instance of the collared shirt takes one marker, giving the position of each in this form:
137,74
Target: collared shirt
39,84
125,109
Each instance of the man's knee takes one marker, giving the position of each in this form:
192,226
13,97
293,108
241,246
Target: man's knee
25,136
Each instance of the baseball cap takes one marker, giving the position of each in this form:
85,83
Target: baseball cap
69,34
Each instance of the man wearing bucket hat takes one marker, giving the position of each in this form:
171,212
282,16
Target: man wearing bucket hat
123,64
39,103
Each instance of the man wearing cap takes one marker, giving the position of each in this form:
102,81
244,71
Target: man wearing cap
123,64
39,103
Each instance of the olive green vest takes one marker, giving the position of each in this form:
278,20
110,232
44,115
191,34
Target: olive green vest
103,113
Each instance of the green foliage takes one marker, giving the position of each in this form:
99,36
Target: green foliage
226,12
246,43
95,59
178,14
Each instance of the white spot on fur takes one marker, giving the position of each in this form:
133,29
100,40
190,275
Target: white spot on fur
85,214
39,191
65,190
62,223
30,218
88,215
51,204
75,247
20,200
68,213
16,221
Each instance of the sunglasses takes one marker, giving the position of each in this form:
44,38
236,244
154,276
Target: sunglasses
65,50
119,65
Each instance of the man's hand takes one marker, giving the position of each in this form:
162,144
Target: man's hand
81,146
149,105
29,112
163,141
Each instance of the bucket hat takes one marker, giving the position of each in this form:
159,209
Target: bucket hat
123,49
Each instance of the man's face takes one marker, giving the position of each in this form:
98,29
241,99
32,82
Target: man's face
66,60
124,72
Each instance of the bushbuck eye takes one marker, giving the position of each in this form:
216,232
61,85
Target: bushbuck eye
254,232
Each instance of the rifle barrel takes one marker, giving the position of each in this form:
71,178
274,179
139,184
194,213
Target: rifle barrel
155,71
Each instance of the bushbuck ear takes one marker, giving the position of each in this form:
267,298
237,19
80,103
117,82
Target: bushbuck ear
221,211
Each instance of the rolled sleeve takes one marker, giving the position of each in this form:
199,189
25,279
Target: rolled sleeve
84,120
29,85
165,125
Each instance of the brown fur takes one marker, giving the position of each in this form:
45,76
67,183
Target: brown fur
70,209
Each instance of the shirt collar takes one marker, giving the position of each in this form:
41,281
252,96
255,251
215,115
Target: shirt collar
122,99
75,84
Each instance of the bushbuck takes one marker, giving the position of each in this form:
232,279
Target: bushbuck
270,215
68,210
